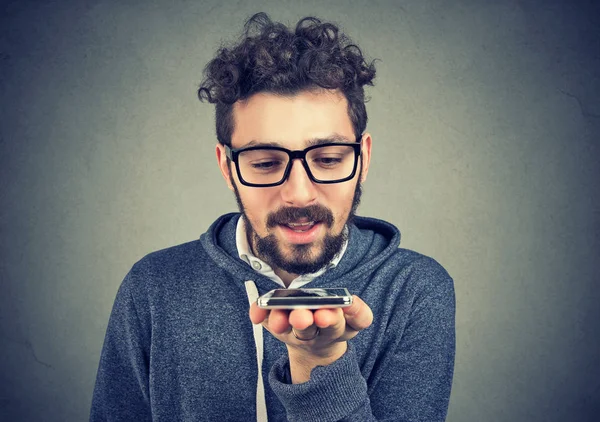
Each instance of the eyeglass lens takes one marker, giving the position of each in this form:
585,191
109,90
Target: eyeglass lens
327,163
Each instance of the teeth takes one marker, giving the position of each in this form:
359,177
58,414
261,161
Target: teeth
309,223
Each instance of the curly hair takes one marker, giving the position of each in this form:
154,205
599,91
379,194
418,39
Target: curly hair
270,57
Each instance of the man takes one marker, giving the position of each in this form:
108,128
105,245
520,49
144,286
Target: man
291,121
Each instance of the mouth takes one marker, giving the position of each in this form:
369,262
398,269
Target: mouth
301,232
300,227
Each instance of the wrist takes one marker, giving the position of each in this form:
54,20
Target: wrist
303,361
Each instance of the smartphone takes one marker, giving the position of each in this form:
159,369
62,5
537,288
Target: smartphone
305,298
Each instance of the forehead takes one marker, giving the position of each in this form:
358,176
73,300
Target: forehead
291,121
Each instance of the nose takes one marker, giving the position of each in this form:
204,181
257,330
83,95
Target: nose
298,190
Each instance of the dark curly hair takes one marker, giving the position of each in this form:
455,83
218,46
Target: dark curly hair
270,57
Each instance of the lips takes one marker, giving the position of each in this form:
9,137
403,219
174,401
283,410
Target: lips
293,218
301,233
301,227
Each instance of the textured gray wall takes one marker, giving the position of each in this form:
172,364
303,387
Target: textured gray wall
486,123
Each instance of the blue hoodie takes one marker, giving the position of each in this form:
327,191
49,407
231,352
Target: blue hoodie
180,346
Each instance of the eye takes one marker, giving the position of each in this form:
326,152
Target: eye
327,161
266,165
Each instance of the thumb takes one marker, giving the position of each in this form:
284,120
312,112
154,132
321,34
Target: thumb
257,315
358,315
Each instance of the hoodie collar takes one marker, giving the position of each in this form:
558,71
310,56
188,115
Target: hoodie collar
370,243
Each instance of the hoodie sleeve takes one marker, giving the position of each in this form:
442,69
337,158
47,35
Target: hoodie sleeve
416,374
122,383
336,392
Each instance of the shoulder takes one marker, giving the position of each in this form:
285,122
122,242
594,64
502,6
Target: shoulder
411,263
418,263
419,274
171,263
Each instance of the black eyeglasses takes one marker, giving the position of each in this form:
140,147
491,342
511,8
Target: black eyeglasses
265,166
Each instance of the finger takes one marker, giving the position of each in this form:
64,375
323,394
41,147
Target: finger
278,321
358,315
257,314
301,319
329,318
309,333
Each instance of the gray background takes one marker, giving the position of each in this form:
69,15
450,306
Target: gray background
485,119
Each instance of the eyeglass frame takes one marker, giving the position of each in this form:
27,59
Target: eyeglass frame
233,154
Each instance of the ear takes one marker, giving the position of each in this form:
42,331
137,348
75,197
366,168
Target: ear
222,162
365,155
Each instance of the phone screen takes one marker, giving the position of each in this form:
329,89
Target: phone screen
305,298
309,292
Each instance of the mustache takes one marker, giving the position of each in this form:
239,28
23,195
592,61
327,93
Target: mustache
290,214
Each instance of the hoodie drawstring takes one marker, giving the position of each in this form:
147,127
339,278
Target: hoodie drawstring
261,404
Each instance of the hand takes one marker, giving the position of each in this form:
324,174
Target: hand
336,325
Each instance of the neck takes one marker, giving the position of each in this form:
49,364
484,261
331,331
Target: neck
286,277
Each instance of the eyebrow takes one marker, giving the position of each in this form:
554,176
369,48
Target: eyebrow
255,143
333,138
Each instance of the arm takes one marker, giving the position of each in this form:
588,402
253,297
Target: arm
122,383
319,379
336,392
415,370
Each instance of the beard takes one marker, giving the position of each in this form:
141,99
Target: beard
301,260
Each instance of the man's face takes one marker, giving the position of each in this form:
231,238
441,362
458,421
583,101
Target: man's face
296,226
